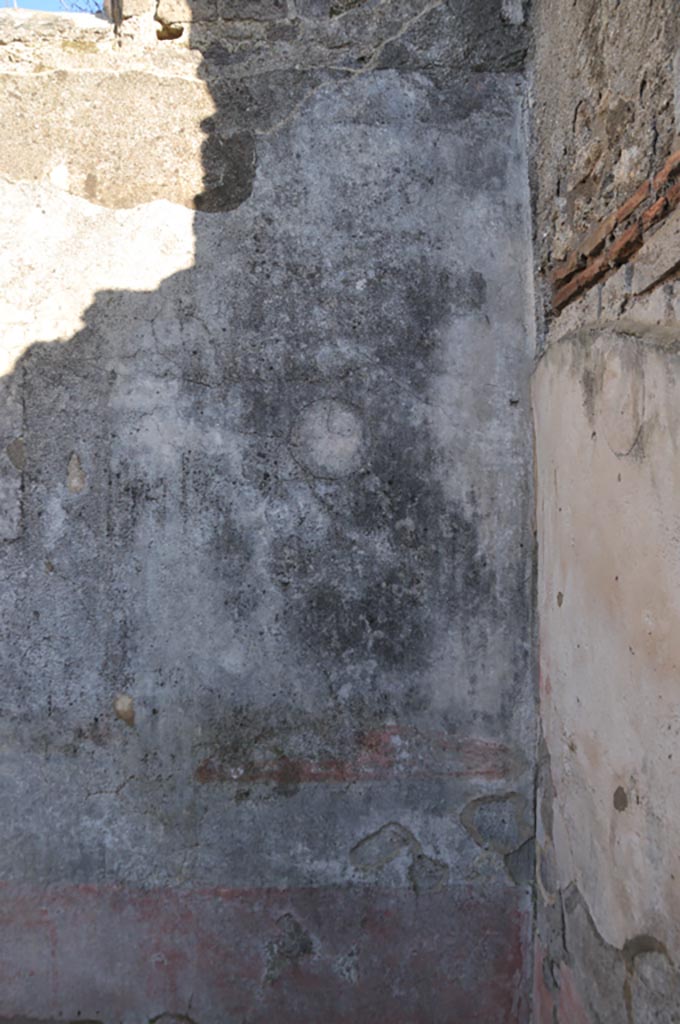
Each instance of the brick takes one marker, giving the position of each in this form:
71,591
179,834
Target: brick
669,171
586,279
595,239
659,257
566,294
625,245
673,196
654,213
662,207
566,268
633,202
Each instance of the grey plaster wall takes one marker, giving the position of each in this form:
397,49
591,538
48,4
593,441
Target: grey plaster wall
267,729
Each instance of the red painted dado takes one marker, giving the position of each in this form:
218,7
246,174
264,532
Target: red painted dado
261,956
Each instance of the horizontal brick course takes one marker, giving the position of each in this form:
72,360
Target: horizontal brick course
615,239
588,277
654,213
631,205
668,172
595,239
567,268
627,244
673,196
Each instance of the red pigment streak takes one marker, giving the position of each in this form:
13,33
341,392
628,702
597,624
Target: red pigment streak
382,754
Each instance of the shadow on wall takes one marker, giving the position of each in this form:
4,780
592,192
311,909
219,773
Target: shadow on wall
254,530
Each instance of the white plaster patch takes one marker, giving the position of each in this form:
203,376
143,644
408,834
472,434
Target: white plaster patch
62,250
59,177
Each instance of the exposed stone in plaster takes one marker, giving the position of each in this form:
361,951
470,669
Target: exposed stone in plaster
125,708
393,841
501,823
292,945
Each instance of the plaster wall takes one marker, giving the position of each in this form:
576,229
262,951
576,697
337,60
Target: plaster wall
267,733
605,408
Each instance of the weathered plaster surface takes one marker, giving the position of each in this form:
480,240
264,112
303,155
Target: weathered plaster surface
266,510
605,118
606,413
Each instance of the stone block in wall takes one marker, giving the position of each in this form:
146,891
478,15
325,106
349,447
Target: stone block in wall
174,11
252,10
107,154
130,8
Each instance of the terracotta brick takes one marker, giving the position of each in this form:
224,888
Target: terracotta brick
625,245
633,202
669,171
565,295
673,196
593,272
663,206
654,213
564,270
569,281
588,277
595,239
659,257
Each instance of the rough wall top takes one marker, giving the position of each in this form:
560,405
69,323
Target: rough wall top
243,38
164,107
